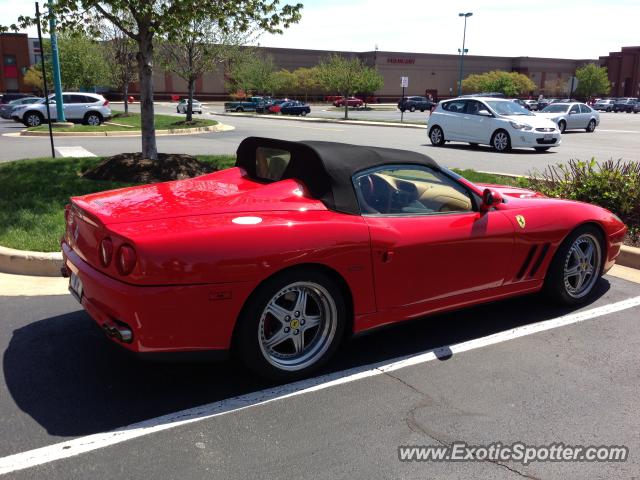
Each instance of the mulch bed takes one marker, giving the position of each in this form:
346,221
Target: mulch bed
133,168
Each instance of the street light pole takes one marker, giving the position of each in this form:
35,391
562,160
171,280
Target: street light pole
55,64
463,51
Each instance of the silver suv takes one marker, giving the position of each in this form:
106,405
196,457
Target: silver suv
88,108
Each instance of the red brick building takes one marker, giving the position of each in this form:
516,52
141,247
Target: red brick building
624,71
14,60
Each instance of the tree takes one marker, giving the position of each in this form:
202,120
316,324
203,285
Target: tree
33,78
370,81
343,75
143,20
510,83
193,51
306,80
120,55
592,80
283,81
252,74
82,62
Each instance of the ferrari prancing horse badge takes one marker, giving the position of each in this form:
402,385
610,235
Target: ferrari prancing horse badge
521,221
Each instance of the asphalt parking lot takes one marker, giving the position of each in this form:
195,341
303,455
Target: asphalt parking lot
73,406
618,136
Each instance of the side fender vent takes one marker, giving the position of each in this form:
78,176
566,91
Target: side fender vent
539,260
527,261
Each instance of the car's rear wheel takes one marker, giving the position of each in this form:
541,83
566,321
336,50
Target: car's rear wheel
576,266
541,149
592,126
93,118
33,119
303,113
412,109
436,135
239,109
291,325
501,141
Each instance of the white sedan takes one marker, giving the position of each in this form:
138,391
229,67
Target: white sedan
196,106
497,122
569,116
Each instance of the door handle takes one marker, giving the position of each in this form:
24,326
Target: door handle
387,256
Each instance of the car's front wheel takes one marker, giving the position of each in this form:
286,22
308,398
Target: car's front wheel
33,119
562,126
576,266
501,141
412,109
436,135
304,113
291,325
592,126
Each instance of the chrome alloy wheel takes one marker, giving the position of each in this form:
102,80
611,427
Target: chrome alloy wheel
93,120
297,326
582,266
436,136
501,141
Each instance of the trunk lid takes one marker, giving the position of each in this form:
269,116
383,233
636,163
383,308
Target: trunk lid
226,191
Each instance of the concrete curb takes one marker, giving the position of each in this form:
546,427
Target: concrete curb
220,127
24,262
322,120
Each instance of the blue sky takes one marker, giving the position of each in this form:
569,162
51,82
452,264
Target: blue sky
541,28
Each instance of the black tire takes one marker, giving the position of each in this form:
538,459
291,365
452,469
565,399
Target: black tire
402,110
412,109
591,127
501,141
436,135
33,119
554,283
608,110
249,337
304,113
541,149
239,109
177,110
422,110
93,118
562,126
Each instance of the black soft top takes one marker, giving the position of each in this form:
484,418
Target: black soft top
326,168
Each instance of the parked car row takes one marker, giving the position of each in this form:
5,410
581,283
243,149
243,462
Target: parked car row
7,108
624,104
505,123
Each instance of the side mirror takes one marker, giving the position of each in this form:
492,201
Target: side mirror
490,198
484,113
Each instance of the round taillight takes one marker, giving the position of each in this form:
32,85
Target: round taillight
126,260
106,251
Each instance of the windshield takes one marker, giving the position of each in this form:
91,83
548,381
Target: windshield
507,108
555,108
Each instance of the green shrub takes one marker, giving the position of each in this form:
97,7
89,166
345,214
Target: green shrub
614,185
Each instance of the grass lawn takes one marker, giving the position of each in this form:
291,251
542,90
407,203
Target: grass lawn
34,192
131,122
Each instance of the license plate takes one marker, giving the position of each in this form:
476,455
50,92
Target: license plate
75,286
548,137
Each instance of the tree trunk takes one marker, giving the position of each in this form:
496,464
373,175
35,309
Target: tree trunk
192,86
346,107
145,73
125,94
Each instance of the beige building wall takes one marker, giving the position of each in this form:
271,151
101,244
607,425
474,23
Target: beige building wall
428,73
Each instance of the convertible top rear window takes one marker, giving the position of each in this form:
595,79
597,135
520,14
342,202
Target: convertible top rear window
271,163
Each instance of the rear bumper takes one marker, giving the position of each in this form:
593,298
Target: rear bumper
185,319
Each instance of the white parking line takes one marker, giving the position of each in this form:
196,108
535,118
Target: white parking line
74,152
77,446
617,131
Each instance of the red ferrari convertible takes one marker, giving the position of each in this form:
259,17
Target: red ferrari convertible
303,243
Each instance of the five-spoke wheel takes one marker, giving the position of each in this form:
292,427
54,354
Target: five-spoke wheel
292,324
576,266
